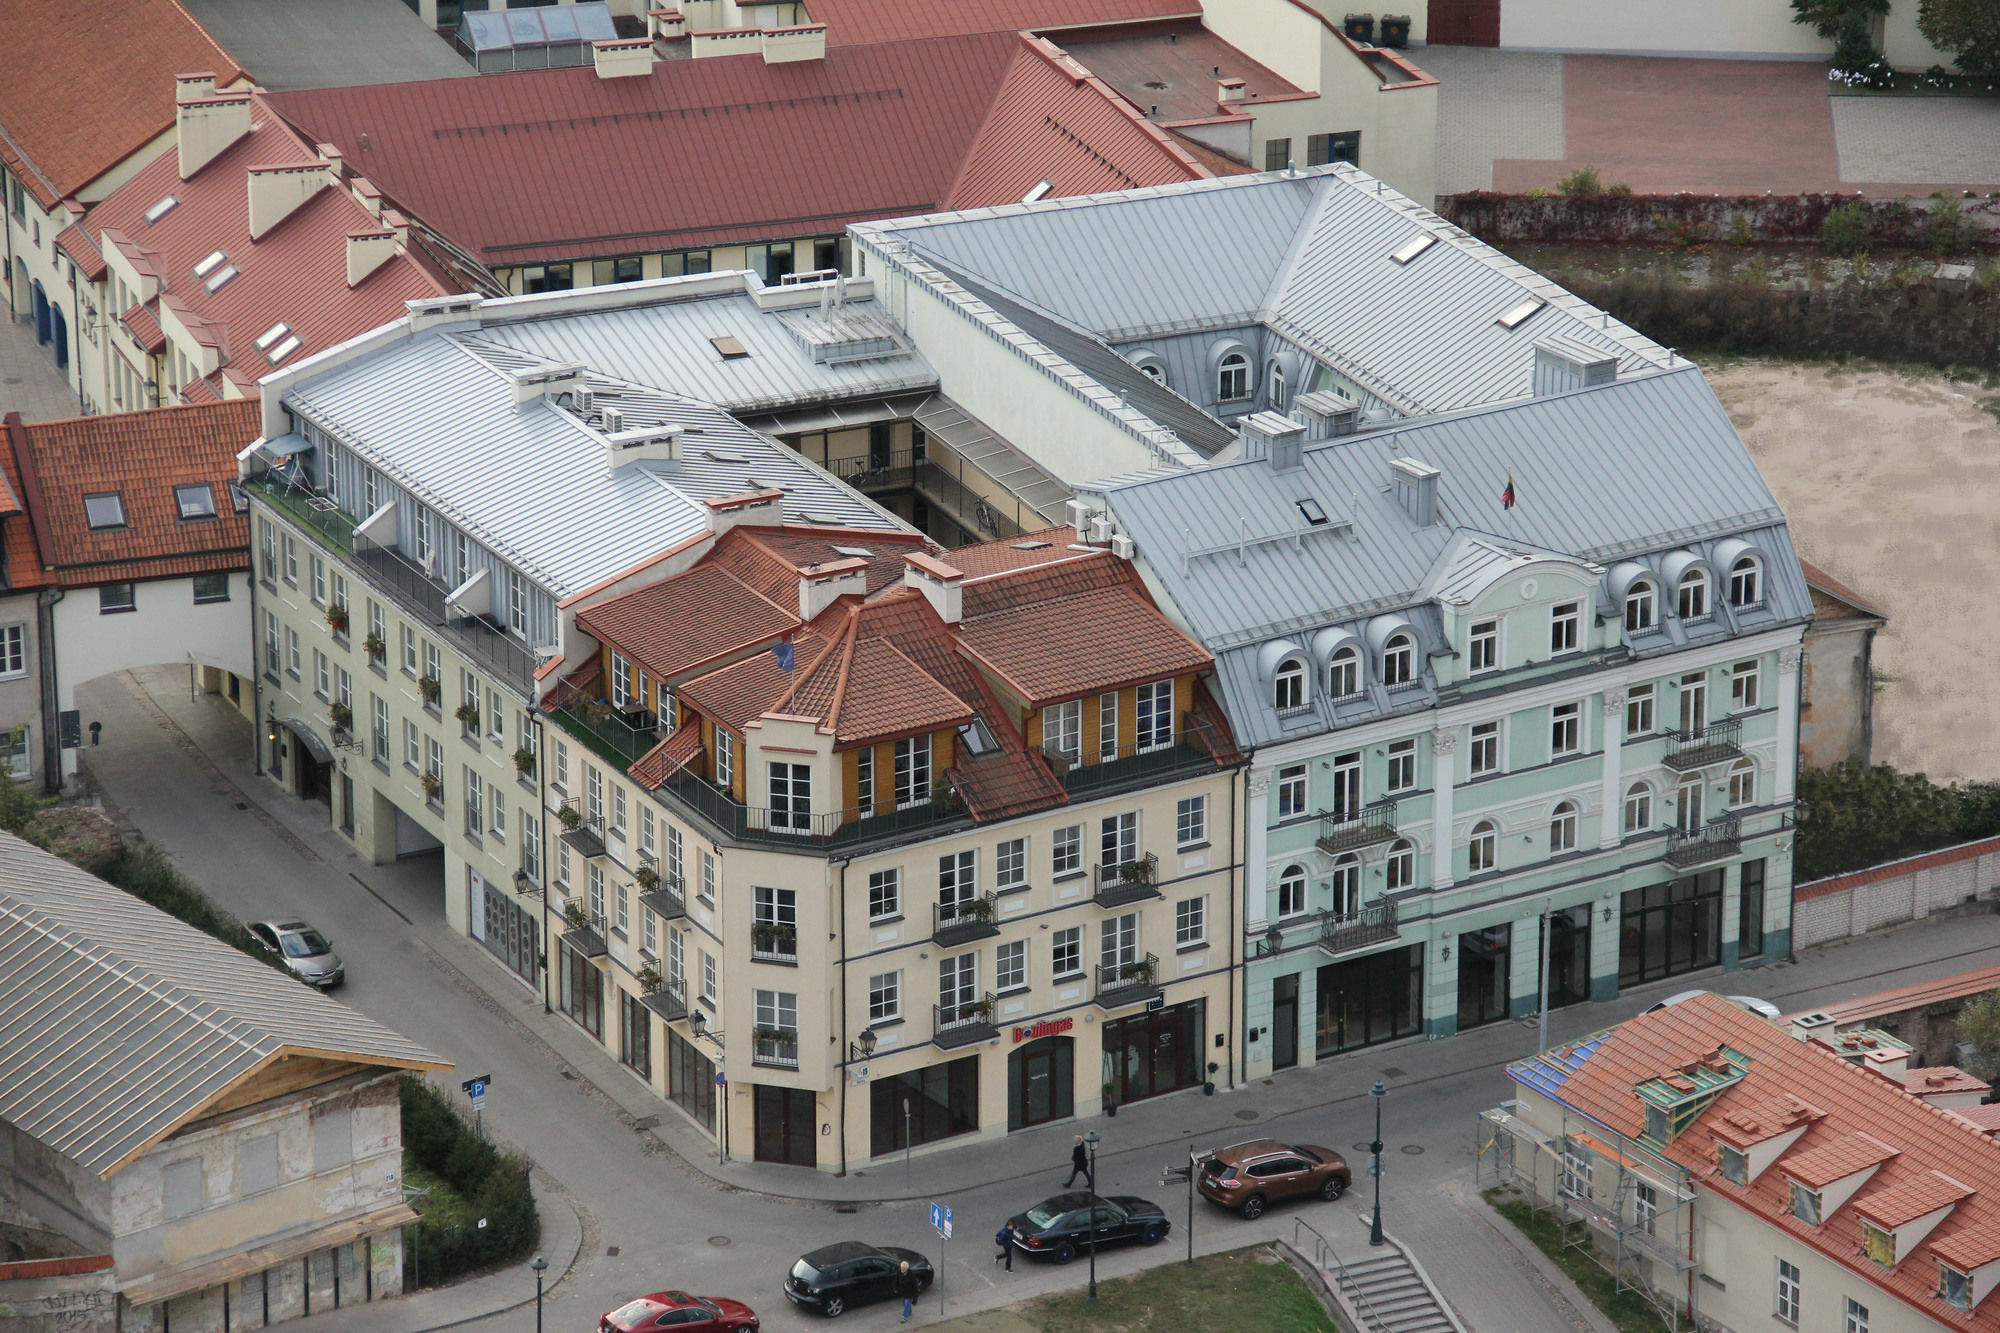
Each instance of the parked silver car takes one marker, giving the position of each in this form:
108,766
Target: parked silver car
305,952
1762,1008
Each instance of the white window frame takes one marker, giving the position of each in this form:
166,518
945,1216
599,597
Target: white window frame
1743,783
1482,756
1191,822
1066,851
1402,767
1854,1316
1153,719
885,894
1343,673
1483,647
1062,729
1399,661
1010,966
1692,602
1293,796
1400,868
1292,885
1565,628
13,650
1565,730
1191,922
1562,828
1066,953
885,997
1288,687
913,771
1482,848
1639,710
1745,682
1746,582
1638,807
1790,1291
1232,378
1642,607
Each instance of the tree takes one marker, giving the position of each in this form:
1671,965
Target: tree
1979,1023
1966,30
1845,23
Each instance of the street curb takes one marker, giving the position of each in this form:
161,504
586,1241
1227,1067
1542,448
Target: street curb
1556,1283
561,1269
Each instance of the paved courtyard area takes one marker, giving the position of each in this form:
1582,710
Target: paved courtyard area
29,381
1514,120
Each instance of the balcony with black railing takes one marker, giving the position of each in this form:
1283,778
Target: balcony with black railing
1718,839
665,897
964,921
668,1000
1102,770
1345,932
1351,830
1126,882
583,930
1713,744
963,1022
774,942
615,737
580,833
776,1048
814,832
1129,983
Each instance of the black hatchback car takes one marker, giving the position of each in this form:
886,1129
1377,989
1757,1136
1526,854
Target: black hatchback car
838,1277
1060,1228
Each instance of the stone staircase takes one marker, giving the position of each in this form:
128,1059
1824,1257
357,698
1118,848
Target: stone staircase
1389,1295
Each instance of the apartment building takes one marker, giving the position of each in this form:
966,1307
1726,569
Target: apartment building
1493,670
898,844
1742,1173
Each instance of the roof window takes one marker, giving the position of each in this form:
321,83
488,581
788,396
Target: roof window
104,510
1315,514
723,456
220,278
1039,192
196,500
1030,546
729,348
239,499
161,209
210,264
1413,247
284,349
858,552
1515,316
271,335
976,737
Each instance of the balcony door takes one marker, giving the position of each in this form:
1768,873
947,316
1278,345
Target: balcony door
1347,785
1694,704
791,798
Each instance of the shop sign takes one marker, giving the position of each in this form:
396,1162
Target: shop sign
1048,1027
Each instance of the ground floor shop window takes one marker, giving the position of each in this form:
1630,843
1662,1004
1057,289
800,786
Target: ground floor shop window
923,1106
1750,911
691,1080
1668,929
583,992
635,1035
1569,955
1150,1054
786,1122
505,928
1484,959
1041,1078
1377,997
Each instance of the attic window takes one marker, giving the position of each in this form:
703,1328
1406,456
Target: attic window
106,510
1805,1204
722,456
196,500
239,499
220,278
729,348
271,335
1315,515
1411,248
1879,1244
282,350
858,552
1954,1287
161,209
1030,546
210,264
977,739
1659,1124
1732,1165
1515,316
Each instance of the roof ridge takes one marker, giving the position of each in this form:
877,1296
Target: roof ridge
846,640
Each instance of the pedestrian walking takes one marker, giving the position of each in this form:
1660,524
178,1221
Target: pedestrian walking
1004,1238
907,1288
1079,1164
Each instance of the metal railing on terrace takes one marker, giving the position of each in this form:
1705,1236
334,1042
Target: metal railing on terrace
315,513
1125,882
965,921
606,731
667,899
1103,770
1348,830
1711,744
1370,924
1120,984
1719,838
787,828
668,1000
775,1051
963,1022
982,504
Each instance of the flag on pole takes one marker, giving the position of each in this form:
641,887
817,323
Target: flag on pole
783,652
1507,496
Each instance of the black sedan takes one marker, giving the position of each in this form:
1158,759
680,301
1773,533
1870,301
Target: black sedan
834,1279
1060,1228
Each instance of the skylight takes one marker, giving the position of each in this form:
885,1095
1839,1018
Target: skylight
105,510
209,265
161,209
1039,193
239,498
729,348
196,500
1030,546
1411,248
271,335
1516,316
859,552
976,738
282,350
1312,510
723,456
220,278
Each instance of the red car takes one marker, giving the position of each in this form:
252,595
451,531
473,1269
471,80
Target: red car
678,1310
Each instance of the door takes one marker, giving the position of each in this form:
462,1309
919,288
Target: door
59,335
1040,1075
791,798
1464,23
1569,956
1347,785
784,1128
1285,1022
347,805
1694,704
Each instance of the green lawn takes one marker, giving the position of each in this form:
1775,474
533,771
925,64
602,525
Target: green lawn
1246,1289
1631,1312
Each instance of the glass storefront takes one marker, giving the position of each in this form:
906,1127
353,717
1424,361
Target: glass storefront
1484,961
582,991
1750,911
1569,955
1377,997
1041,1078
690,1080
1668,929
1153,1053
923,1105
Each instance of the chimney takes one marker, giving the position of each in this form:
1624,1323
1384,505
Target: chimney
1229,90
550,381
624,59
826,581
1818,1023
642,444
1564,363
1327,414
366,252
367,194
206,125
663,25
1416,489
941,585
783,45
431,311
397,223
1273,436
187,87
277,192
333,158
750,509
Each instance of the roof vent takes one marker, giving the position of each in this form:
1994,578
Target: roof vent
1807,1026
1416,489
645,444
1326,414
1563,363
1273,436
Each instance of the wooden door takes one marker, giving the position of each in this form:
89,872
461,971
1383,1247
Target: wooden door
1463,23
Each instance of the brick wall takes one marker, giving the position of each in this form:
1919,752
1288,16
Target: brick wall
1885,895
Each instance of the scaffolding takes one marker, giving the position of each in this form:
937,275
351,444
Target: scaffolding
1627,1209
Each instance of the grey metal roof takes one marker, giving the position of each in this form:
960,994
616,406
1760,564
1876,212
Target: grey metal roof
436,412
121,1022
1307,255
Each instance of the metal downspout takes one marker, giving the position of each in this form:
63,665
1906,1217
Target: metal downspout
45,627
844,1083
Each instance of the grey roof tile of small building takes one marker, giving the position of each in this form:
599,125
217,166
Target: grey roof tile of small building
122,1022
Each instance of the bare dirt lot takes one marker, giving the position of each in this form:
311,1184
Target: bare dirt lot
1891,482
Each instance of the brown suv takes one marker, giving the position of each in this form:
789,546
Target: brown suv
1247,1176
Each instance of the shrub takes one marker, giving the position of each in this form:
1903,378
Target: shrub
1967,30
1845,230
1853,817
1584,180
1948,232
494,1185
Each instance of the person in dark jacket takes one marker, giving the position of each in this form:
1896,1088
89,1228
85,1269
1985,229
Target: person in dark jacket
907,1288
1005,1240
1079,1164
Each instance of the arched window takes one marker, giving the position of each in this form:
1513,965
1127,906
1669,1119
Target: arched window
1347,886
1687,804
1746,582
1292,891
1343,674
1743,783
1483,847
1402,864
1232,377
1288,687
1562,829
1638,808
1274,385
1153,371
1399,660
1693,594
1641,607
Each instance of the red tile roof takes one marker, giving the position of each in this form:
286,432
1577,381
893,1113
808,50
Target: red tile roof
83,87
82,251
1047,547
1821,581
1063,649
142,456
1986,1117
1868,1119
691,620
1942,1078
849,22
1746,1125
295,273
1181,54
871,131
1893,1207
145,327
22,567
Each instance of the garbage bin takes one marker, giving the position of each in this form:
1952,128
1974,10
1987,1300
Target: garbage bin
1360,27
1396,30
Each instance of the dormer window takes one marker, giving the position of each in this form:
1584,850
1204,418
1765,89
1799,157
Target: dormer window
1564,618
1484,646
1659,1124
1399,661
1746,583
1693,595
1288,687
1731,1164
1232,378
1805,1204
1954,1287
1343,674
1274,384
1641,608
1879,1244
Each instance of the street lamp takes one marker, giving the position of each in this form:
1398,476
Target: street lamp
1378,1092
1090,1180
862,1048
540,1265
